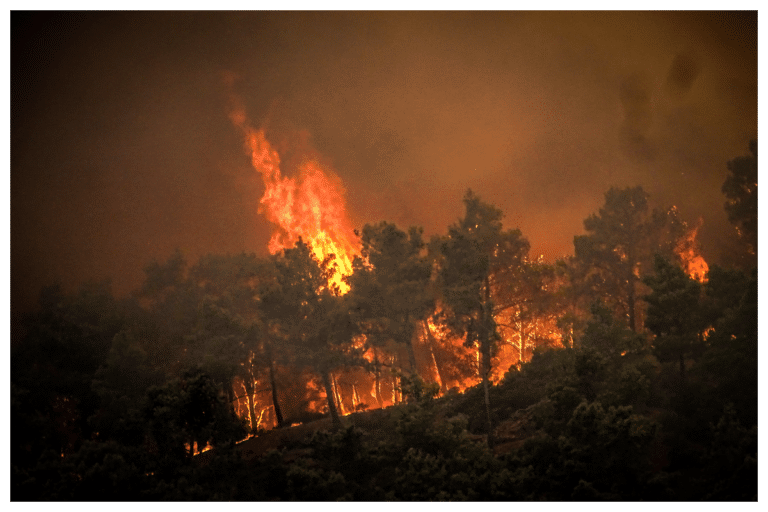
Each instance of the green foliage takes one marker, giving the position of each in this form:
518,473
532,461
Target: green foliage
600,454
633,386
730,464
740,188
66,341
475,250
101,408
390,285
190,411
121,385
674,315
729,364
609,338
618,248
723,292
163,276
414,389
306,314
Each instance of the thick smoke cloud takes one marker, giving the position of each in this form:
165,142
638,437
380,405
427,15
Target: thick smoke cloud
122,150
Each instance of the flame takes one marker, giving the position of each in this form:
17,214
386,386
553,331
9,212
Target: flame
197,450
310,206
688,251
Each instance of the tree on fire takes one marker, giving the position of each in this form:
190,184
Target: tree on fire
476,250
528,305
308,316
618,249
390,288
110,399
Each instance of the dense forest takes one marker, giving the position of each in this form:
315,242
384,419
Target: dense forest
455,368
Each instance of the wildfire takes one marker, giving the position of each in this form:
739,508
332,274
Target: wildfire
311,205
688,251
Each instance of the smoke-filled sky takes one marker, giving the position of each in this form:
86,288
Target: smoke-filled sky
122,149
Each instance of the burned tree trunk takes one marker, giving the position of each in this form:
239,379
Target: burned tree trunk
331,401
409,346
249,391
337,394
377,377
485,346
431,341
275,403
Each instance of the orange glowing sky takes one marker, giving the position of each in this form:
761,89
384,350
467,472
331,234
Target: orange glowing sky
122,149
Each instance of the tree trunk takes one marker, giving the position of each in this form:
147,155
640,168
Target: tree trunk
337,394
248,382
278,412
377,376
355,398
330,399
486,370
397,383
631,303
409,345
485,346
431,341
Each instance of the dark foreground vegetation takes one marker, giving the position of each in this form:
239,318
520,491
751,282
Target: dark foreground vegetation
647,389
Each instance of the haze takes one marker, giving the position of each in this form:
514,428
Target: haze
122,149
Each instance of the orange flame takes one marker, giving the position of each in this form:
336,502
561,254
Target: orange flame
311,205
688,250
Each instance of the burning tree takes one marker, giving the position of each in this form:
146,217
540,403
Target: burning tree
528,307
474,252
308,315
391,289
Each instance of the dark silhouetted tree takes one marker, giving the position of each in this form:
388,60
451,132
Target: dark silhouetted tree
187,414
308,316
618,249
390,286
67,340
674,313
474,252
208,315
740,188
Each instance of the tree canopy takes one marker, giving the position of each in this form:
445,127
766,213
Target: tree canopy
740,189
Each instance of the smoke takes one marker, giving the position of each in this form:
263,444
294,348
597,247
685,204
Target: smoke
123,150
638,116
682,74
